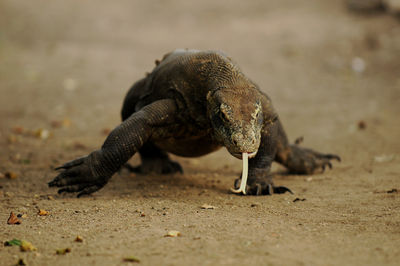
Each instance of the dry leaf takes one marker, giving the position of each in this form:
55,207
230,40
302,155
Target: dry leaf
275,235
207,207
12,139
63,251
299,199
8,194
106,131
11,175
41,133
66,122
173,233
384,158
43,212
55,124
27,246
18,130
13,219
132,259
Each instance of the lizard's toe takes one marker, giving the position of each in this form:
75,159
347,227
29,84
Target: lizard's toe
308,161
262,187
171,167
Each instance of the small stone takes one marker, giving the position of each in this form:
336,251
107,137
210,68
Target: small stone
207,207
362,125
9,194
79,239
299,140
70,84
42,212
358,65
42,133
173,233
21,262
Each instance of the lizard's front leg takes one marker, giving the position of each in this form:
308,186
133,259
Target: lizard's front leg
89,174
259,180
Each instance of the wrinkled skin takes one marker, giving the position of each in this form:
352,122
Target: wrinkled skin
191,104
238,129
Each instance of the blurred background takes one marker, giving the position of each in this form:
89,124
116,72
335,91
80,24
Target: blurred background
331,67
78,58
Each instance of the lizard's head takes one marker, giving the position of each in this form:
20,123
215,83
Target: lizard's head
237,120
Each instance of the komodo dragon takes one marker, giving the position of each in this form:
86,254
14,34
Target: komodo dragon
193,103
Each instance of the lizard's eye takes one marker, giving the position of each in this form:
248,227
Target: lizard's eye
224,112
223,116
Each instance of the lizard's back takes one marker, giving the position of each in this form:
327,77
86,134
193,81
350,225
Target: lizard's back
187,76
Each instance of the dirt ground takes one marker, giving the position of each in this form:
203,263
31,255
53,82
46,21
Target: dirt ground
334,77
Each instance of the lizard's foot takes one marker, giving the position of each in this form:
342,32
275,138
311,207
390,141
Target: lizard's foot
78,176
262,186
156,165
307,161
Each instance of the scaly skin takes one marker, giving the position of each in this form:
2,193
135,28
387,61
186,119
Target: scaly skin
191,104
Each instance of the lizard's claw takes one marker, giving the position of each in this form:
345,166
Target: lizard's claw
78,176
307,161
262,187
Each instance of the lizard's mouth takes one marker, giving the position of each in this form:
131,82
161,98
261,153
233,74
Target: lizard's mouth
239,154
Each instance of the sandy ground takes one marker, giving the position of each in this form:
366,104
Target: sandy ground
334,77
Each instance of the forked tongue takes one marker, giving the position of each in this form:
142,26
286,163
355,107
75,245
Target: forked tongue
245,171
